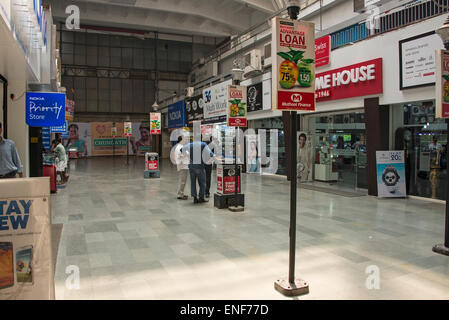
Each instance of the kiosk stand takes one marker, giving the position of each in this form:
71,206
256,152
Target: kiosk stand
227,180
152,166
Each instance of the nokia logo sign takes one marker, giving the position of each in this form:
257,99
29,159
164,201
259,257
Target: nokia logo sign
296,98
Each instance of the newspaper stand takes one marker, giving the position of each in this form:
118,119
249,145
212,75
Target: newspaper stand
152,165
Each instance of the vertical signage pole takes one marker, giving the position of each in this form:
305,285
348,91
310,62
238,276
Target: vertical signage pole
293,195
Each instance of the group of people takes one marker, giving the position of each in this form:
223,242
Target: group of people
190,160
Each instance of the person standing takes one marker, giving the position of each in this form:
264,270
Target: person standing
208,167
10,164
61,160
304,159
197,168
182,164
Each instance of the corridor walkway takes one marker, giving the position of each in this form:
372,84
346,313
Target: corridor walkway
132,239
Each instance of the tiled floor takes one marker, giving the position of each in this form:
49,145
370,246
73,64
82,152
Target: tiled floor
132,239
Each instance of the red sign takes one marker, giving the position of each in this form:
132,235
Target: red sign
361,79
322,51
442,84
296,101
152,165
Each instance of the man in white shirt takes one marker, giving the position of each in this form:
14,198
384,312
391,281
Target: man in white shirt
182,163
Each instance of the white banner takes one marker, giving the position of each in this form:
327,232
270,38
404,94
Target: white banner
26,258
215,102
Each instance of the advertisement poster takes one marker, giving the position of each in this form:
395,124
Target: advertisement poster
236,109
155,120
442,84
26,258
45,109
128,127
79,138
390,174
141,141
253,154
322,51
293,49
417,60
226,176
361,79
102,141
255,97
305,157
195,109
266,91
69,110
215,102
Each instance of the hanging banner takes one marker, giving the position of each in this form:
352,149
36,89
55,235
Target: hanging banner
442,84
26,258
114,132
255,97
252,154
177,115
155,119
194,109
69,110
322,51
236,106
293,49
59,129
215,102
128,127
45,109
390,174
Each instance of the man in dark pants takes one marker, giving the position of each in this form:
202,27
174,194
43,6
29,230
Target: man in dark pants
10,164
197,168
208,172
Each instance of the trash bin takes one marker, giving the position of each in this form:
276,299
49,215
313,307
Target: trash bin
152,165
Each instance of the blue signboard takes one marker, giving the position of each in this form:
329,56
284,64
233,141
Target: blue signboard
60,129
45,109
46,136
177,115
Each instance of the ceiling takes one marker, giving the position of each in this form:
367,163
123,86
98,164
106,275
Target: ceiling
214,18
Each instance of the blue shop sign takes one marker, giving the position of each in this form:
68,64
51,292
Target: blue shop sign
177,115
45,109
60,129
46,136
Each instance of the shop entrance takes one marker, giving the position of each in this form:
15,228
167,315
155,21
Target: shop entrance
339,149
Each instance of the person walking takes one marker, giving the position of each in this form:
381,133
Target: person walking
61,160
182,164
10,164
197,168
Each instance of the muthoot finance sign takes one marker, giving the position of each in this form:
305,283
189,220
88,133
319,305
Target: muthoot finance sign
361,79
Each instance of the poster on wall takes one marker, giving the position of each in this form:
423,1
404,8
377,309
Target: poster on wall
442,84
390,174
253,154
103,143
417,60
26,258
79,138
155,120
215,102
293,51
236,110
305,157
255,97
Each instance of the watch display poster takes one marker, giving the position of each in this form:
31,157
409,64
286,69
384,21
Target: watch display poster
390,174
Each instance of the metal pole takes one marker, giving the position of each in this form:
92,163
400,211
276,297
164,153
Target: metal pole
127,150
293,193
446,230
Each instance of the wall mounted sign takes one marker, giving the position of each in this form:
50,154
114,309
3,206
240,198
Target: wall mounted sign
417,60
361,79
322,51
194,109
45,109
442,84
236,106
293,51
60,129
155,121
215,102
177,115
46,138
255,97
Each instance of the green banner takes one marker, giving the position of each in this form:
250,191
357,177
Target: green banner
110,142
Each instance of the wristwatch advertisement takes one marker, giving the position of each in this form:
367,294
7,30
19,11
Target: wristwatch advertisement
390,174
